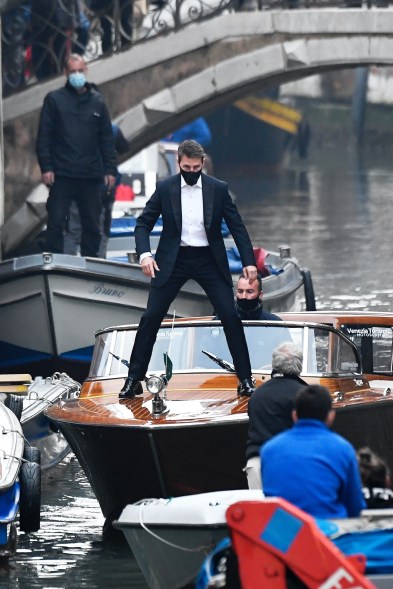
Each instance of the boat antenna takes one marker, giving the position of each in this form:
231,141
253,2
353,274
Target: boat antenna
122,360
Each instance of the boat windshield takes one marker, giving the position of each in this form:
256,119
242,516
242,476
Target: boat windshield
375,344
325,350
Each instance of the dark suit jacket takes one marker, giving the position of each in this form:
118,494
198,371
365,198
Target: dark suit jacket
217,205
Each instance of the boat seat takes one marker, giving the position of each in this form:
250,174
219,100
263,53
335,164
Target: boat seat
16,379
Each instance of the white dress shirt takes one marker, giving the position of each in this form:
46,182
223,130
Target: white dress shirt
193,231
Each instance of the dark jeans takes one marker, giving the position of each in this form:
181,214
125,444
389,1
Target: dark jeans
88,196
198,264
107,25
73,232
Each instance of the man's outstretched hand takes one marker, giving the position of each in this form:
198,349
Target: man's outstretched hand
250,272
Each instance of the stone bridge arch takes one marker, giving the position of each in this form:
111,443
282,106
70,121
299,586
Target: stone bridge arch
157,86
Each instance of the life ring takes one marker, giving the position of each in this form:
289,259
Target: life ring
30,497
14,404
308,291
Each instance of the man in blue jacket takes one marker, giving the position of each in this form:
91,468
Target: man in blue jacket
311,466
76,153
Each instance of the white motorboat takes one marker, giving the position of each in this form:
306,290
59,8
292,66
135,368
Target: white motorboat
171,537
27,399
42,393
51,305
20,483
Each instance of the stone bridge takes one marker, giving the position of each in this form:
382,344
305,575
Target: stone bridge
164,82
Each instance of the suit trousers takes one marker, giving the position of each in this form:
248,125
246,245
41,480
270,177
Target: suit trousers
195,263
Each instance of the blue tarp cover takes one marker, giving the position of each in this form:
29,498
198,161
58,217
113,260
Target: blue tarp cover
125,226
374,540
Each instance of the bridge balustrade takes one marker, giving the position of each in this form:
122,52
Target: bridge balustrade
37,35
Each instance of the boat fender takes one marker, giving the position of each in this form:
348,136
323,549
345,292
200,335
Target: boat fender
31,454
30,497
14,404
308,290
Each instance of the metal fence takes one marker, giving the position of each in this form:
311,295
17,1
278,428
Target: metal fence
37,35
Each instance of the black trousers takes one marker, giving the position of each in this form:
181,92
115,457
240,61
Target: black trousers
196,263
87,194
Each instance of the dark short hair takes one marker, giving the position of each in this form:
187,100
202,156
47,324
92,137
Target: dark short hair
191,149
259,279
313,402
373,469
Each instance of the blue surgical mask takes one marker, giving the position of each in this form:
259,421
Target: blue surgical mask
77,80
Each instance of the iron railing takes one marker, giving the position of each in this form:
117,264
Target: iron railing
37,35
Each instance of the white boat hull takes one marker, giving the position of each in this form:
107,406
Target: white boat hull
11,449
182,530
51,305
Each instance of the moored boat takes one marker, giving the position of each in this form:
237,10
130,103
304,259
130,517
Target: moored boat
179,530
191,439
20,483
52,304
27,399
42,393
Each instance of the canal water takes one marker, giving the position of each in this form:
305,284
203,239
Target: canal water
335,212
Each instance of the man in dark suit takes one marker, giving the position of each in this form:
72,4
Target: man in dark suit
192,206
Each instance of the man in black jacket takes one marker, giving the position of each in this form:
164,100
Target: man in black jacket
192,206
270,407
76,153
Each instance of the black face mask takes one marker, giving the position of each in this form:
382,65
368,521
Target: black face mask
190,178
248,304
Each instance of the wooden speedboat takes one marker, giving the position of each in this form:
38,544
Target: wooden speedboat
371,332
180,530
191,437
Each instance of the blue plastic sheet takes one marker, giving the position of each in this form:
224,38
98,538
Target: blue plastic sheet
375,544
125,227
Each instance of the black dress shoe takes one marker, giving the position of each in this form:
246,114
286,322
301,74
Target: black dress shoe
131,388
246,387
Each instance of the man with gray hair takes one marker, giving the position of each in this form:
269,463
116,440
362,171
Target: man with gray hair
270,407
